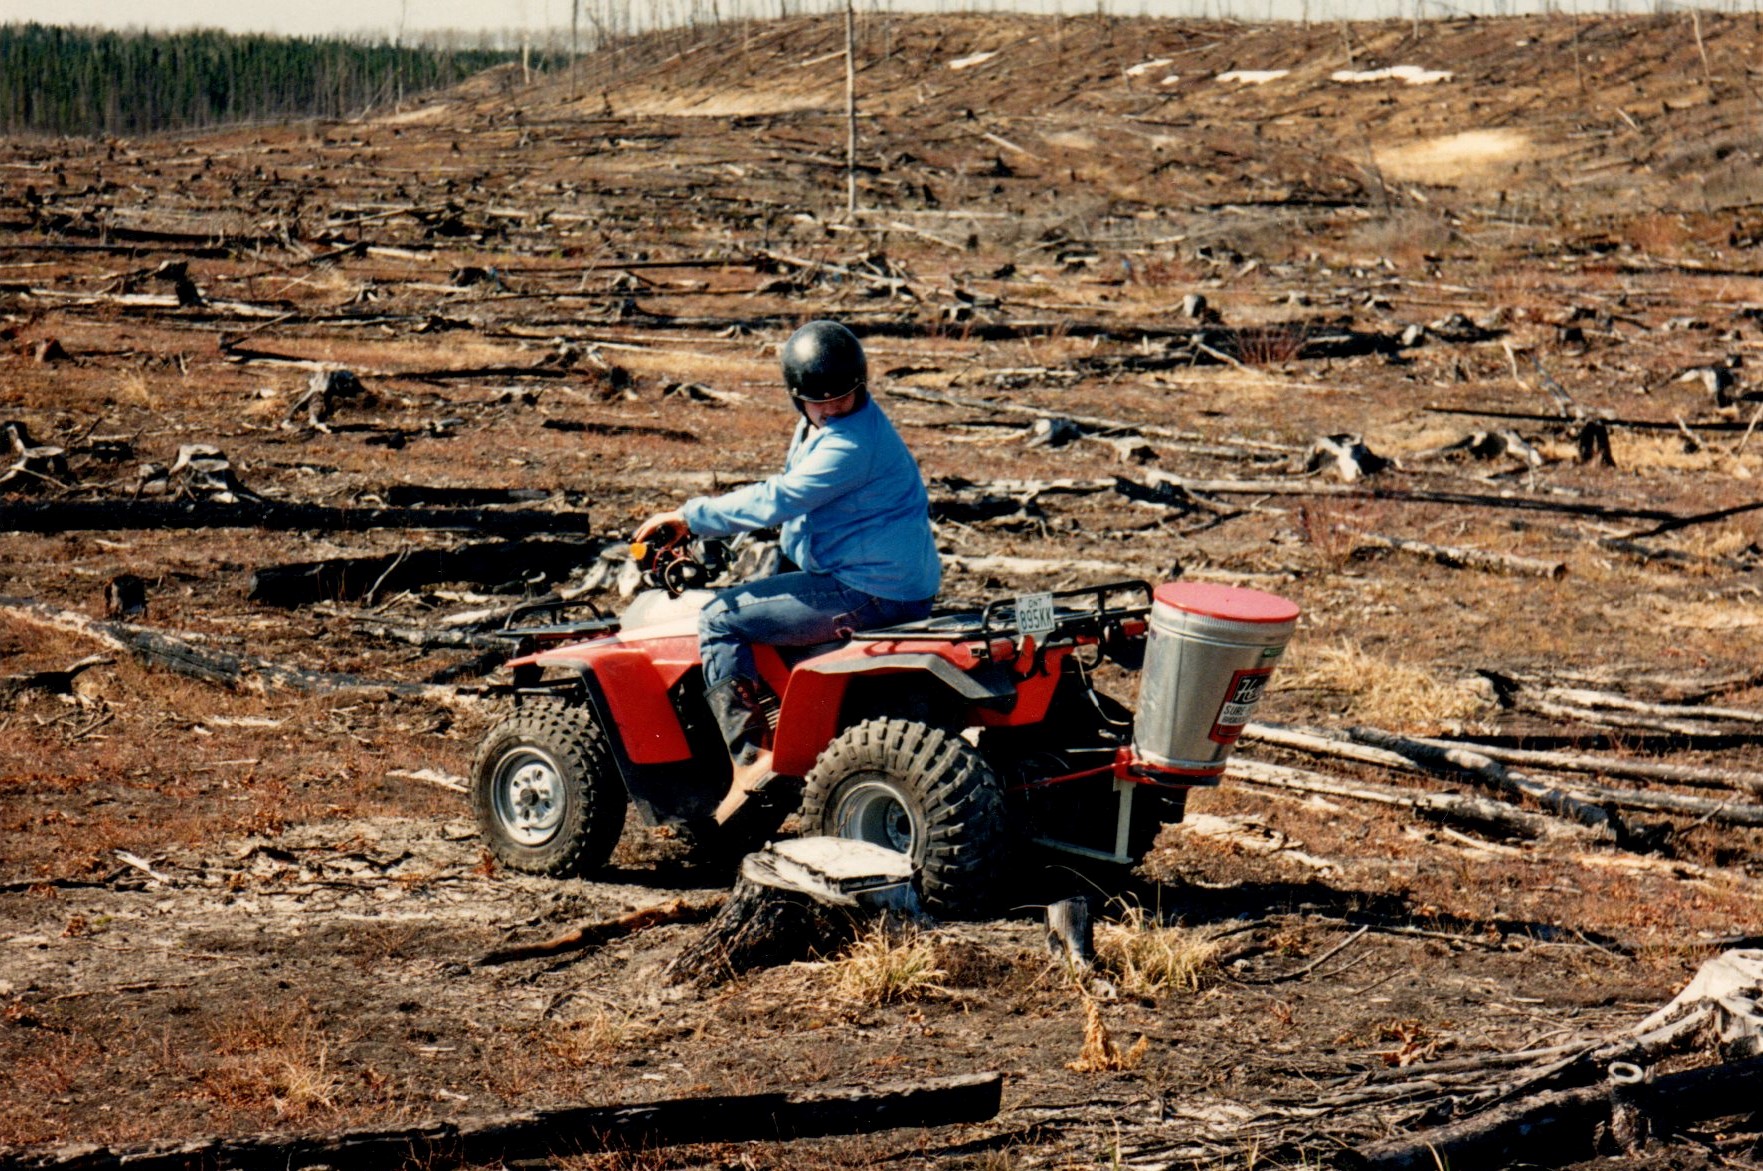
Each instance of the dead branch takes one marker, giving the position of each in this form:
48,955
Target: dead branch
591,935
1457,557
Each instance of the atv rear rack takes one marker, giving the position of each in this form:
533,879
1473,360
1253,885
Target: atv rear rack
1097,620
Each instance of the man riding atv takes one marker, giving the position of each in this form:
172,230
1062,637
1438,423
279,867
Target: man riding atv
834,692
854,523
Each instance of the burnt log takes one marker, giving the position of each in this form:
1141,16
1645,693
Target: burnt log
125,596
797,899
56,516
212,666
491,563
569,1131
1562,1126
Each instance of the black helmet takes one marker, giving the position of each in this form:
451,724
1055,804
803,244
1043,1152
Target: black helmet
822,361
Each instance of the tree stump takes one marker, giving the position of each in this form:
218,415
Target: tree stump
1070,935
797,899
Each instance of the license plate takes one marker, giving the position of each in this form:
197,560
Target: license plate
1034,613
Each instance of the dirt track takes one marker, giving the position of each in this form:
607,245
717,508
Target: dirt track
575,290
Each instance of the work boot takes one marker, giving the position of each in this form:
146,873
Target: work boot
749,778
740,713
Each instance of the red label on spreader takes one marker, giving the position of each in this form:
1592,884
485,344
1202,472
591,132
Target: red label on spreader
1239,703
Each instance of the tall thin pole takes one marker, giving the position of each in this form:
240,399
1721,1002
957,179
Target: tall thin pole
850,109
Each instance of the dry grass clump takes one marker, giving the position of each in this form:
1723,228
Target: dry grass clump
1100,1052
1147,957
291,1074
1380,691
1669,452
882,968
590,1039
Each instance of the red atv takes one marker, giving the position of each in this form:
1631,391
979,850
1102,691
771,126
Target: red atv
945,739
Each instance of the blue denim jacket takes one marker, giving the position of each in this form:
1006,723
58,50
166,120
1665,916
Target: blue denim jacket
851,503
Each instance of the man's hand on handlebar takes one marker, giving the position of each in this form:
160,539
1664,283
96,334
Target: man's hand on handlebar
663,526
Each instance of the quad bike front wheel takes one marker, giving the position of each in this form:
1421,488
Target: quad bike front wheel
546,793
921,791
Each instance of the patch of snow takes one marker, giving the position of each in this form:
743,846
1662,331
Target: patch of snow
1411,74
976,59
1253,76
1145,67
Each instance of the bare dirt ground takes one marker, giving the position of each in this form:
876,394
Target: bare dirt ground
236,910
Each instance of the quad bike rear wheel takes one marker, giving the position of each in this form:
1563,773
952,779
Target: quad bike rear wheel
546,793
922,791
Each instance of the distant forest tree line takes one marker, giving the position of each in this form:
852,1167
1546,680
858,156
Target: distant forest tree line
90,81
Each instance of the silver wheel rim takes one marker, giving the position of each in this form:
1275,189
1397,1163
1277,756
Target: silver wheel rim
871,811
526,792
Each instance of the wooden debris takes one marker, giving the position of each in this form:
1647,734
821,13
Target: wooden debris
49,682
569,1131
1070,932
324,392
35,466
591,935
25,516
495,563
1458,557
794,899
1484,770
1562,1126
125,596
1478,813
1610,766
1346,455
222,667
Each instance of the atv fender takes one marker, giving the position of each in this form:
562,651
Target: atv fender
808,718
637,708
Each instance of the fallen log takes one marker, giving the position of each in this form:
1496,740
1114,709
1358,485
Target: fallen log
1690,711
1611,766
777,1116
1478,813
1562,1126
1457,557
222,667
1495,775
1684,522
490,562
1723,812
1297,486
56,516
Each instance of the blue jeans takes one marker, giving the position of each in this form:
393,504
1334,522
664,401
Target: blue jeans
787,609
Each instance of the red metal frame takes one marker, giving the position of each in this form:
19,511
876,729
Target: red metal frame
636,669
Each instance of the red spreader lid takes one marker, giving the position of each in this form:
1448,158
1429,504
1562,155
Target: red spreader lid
1229,602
